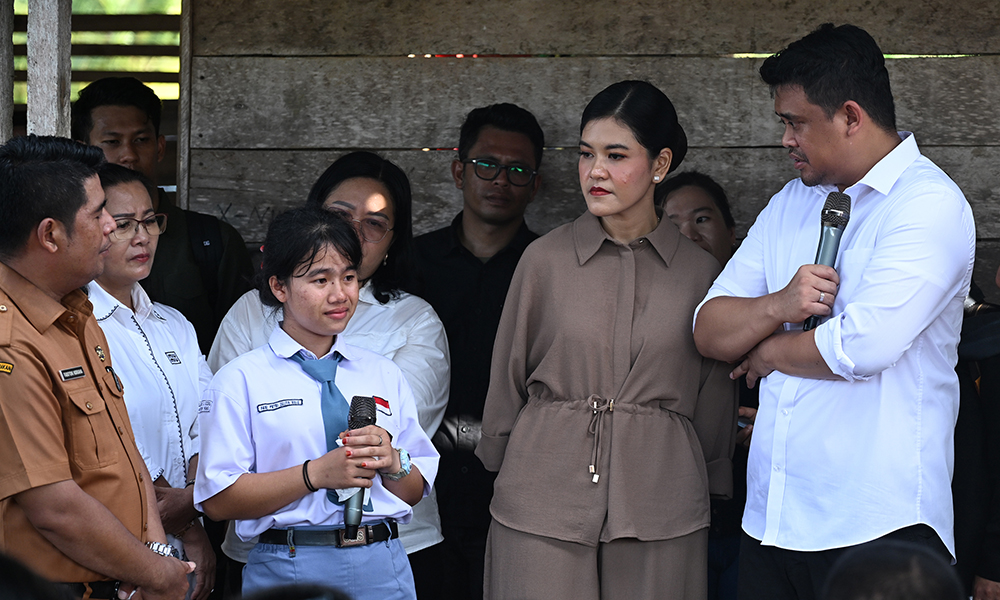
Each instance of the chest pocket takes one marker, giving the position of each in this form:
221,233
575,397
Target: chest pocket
93,441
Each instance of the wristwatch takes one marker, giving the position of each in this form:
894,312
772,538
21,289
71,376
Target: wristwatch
163,549
404,466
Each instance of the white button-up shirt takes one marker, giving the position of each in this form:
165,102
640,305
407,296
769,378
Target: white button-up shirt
156,355
406,330
836,463
262,413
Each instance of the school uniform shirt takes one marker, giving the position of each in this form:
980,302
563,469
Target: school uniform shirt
262,413
840,462
163,373
406,330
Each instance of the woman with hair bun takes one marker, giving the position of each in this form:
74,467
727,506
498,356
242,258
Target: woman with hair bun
607,427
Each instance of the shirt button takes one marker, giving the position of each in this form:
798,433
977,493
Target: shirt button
465,429
140,476
144,527
3,308
89,406
72,318
785,412
121,430
777,467
464,470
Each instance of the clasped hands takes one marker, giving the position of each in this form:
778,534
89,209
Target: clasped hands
365,452
812,291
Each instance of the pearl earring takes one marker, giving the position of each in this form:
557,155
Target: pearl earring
656,177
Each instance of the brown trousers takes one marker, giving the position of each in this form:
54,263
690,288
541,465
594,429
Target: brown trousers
522,566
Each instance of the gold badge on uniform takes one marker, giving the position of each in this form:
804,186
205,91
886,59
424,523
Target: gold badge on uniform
6,367
100,352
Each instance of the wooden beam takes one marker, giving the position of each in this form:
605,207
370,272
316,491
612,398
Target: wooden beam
6,70
49,66
114,22
112,50
88,76
184,108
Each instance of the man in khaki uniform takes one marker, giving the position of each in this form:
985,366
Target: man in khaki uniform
76,501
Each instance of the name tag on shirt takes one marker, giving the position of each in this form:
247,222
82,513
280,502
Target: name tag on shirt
71,374
173,358
279,404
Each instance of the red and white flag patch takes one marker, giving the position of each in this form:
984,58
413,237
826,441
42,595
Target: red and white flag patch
383,406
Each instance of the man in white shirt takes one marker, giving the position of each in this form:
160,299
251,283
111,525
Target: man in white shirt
854,437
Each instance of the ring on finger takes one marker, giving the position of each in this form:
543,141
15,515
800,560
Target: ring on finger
379,440
822,296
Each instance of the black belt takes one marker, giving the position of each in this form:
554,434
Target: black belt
100,590
367,534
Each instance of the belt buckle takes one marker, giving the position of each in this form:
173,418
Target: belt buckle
361,540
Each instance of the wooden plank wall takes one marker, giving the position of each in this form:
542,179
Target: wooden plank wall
276,95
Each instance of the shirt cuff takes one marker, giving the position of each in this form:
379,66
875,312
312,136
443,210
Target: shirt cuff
829,342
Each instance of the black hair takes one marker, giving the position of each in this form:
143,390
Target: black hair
703,182
892,570
298,591
834,65
113,91
41,177
296,238
387,281
20,583
112,175
505,117
646,111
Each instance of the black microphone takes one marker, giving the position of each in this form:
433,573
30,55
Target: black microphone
836,213
362,414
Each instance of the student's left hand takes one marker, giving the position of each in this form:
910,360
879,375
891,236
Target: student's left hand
375,442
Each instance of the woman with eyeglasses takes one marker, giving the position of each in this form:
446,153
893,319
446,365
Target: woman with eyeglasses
607,427
375,195
157,358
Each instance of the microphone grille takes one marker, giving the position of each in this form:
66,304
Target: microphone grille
362,412
837,210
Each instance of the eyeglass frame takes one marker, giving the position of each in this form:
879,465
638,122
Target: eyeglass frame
135,230
500,167
360,228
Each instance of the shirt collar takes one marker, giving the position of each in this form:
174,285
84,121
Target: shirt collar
37,306
887,171
366,295
106,305
589,236
521,239
284,346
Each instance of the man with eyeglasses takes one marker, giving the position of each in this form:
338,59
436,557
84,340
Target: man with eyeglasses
464,272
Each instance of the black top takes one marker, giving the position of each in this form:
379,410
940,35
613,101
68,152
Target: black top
468,295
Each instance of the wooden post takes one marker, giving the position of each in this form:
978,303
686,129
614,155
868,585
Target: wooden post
49,68
6,70
184,109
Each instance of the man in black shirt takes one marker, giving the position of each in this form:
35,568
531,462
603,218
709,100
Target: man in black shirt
464,272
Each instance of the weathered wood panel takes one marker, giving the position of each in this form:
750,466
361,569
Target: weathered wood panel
415,103
48,66
248,187
987,261
581,27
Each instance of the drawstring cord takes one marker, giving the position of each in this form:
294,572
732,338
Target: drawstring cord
601,407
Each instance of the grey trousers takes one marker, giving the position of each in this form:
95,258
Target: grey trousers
522,566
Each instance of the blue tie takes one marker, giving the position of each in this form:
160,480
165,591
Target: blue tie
333,403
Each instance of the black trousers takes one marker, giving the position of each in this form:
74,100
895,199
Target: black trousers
770,573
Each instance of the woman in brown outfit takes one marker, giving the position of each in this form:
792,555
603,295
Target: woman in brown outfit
607,427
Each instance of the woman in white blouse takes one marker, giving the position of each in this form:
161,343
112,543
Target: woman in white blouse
375,194
156,356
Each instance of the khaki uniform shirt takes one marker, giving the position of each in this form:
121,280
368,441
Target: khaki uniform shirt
61,417
602,418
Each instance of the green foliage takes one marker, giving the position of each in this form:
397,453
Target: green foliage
114,7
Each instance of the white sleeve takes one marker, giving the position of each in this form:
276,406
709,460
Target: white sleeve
227,449
413,439
236,332
918,265
424,359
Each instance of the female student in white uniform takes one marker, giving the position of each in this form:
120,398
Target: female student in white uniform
265,460
397,325
157,358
